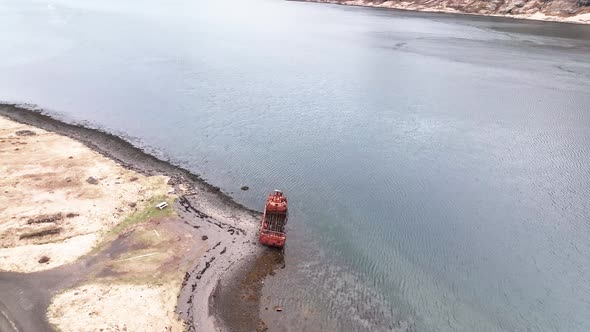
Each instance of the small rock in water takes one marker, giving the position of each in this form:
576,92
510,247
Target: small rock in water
92,180
204,237
245,188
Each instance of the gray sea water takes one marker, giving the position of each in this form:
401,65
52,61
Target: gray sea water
437,166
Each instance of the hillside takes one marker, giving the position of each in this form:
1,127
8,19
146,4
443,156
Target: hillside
577,11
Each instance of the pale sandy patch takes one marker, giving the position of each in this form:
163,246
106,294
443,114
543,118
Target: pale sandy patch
54,188
582,18
97,307
25,258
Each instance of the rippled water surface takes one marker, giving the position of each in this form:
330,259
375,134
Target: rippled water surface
437,165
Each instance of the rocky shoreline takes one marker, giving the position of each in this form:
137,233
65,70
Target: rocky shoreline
566,11
216,243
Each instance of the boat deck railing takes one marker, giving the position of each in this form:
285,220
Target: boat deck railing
275,223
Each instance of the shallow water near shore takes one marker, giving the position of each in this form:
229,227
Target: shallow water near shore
437,165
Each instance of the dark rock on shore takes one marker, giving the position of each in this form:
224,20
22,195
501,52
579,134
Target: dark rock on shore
25,133
43,259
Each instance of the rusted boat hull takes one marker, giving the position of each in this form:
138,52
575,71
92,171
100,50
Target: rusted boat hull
274,219
272,240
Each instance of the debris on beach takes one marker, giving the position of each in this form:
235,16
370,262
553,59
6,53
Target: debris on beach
278,308
92,180
162,205
45,219
43,259
25,133
245,188
40,233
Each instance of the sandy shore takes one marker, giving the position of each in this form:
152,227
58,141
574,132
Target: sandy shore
83,244
583,18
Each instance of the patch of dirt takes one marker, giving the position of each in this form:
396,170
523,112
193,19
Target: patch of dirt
46,219
25,133
146,264
123,244
45,232
100,306
41,180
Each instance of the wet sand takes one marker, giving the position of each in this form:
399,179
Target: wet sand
212,246
237,299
